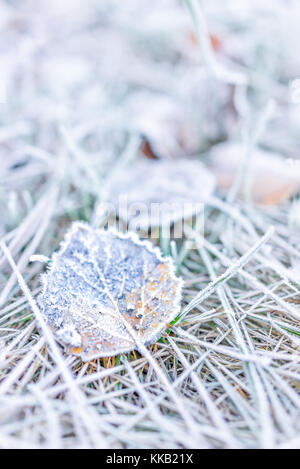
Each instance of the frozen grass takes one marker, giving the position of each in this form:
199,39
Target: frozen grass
226,374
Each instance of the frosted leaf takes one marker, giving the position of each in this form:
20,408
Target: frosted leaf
294,231
168,127
273,179
106,291
182,186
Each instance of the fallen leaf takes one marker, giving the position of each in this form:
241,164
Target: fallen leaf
273,179
215,40
176,189
147,150
106,291
294,224
168,125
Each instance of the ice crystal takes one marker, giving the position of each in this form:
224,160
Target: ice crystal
105,292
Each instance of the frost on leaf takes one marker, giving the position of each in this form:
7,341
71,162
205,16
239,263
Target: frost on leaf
273,179
176,189
294,231
106,292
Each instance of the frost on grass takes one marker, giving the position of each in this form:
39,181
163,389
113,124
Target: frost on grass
232,364
179,189
105,292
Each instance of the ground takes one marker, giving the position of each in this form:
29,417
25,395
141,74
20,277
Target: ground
88,88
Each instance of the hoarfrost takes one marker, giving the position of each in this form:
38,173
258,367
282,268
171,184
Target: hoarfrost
105,292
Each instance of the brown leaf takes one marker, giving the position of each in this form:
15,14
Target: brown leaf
273,179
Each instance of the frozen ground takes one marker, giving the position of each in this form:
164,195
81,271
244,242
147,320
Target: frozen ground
87,87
